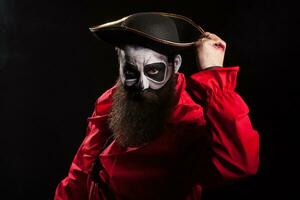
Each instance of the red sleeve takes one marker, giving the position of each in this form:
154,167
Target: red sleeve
234,142
76,185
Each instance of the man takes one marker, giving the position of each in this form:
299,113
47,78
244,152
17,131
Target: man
155,135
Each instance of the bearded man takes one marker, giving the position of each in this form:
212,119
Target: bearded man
157,134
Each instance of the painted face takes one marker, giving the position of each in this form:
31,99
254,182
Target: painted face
143,68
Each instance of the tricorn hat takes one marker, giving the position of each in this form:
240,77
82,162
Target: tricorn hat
163,32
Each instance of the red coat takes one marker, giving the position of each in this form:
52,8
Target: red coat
208,139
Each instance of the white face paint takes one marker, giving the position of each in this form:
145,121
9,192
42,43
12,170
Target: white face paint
144,67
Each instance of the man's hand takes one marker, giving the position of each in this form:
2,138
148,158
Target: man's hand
210,51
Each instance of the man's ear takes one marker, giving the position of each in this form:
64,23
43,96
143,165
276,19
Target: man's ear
120,55
177,62
118,50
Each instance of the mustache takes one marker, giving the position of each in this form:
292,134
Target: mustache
148,95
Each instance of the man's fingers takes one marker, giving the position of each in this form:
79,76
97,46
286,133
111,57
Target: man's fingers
217,41
213,42
219,45
211,39
212,36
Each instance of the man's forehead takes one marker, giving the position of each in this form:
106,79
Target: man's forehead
141,54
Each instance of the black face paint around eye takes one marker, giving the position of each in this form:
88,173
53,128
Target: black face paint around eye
131,71
155,71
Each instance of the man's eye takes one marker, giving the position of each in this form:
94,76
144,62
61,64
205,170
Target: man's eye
153,71
129,73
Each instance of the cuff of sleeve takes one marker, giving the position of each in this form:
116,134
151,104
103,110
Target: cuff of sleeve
206,83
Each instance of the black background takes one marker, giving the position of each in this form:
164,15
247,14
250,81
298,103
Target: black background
52,70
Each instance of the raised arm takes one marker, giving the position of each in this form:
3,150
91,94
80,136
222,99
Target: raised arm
234,142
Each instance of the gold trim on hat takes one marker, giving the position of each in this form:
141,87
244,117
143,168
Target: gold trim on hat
177,44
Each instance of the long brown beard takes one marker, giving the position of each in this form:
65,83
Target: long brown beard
138,117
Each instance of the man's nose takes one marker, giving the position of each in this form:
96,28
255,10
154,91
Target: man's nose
143,84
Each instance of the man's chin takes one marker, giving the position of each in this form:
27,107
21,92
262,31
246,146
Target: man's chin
138,116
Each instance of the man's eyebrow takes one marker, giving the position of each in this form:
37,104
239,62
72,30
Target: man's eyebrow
157,64
128,60
131,65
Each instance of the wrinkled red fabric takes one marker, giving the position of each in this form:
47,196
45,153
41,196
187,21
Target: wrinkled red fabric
208,139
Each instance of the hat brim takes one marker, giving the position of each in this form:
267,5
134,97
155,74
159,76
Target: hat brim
117,34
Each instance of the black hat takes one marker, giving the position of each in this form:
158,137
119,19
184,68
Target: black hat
163,32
